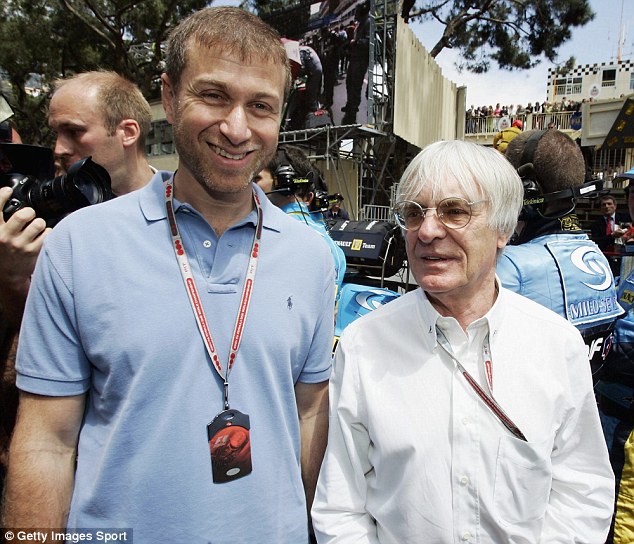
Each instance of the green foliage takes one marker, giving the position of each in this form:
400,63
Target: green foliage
511,33
63,37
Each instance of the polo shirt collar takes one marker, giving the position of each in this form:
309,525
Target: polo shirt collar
152,203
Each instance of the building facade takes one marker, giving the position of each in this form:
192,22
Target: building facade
598,81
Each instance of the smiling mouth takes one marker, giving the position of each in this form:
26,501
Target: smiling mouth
223,153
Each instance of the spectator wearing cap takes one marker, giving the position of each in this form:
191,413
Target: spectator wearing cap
335,212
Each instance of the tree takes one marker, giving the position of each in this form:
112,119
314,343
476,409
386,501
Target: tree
513,33
60,38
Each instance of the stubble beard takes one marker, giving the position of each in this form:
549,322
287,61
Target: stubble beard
201,171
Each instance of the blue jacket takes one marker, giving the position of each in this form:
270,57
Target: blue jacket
567,273
617,381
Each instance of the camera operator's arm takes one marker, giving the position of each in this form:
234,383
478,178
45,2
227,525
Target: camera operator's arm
42,461
21,239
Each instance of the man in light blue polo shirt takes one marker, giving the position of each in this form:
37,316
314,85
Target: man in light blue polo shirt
164,338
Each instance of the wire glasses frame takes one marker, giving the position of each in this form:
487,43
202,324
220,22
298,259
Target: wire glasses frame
453,212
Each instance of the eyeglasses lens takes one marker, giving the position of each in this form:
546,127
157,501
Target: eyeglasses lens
454,213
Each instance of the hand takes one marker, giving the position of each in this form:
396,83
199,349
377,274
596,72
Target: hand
21,238
628,235
618,231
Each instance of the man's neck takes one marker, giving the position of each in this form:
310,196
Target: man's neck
220,209
135,178
463,309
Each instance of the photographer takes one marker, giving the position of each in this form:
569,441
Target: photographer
98,114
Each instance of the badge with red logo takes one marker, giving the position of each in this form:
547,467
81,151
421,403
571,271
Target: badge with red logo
230,446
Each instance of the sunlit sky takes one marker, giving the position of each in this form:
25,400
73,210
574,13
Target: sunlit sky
596,42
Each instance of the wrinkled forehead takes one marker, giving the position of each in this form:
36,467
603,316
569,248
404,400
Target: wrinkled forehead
431,190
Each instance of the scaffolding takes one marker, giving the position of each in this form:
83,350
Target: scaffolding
371,147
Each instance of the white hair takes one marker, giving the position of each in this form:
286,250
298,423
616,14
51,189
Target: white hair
480,172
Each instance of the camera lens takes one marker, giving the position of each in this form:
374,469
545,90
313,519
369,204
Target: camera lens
84,184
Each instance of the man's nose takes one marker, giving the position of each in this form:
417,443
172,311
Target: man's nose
235,126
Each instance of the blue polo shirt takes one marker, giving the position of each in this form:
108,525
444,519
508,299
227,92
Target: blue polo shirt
299,210
108,315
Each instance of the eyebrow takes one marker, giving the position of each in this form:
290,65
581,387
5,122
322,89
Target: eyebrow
224,86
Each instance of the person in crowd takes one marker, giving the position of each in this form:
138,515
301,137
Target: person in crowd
330,55
289,180
608,228
552,261
359,57
501,139
166,340
615,394
98,114
336,212
462,411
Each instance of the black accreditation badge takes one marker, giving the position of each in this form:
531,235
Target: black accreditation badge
230,446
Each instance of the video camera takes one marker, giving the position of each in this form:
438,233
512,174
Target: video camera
25,169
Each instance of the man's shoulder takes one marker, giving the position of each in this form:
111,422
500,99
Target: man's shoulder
521,309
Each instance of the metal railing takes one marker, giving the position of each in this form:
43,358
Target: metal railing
491,125
371,212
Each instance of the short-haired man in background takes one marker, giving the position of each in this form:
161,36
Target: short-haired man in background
607,229
552,261
99,114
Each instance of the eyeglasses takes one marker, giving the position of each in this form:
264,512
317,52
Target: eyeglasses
453,212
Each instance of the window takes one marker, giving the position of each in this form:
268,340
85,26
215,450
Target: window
567,86
608,78
160,140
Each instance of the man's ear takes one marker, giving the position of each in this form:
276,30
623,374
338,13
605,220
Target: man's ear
309,197
131,132
168,94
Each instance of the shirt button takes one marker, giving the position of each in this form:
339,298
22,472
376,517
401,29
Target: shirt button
207,243
466,536
464,480
465,421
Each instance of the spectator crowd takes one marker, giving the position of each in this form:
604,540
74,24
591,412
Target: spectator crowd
557,114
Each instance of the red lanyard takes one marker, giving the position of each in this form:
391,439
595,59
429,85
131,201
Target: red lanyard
488,399
194,297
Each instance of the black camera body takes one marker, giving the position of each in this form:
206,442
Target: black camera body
86,183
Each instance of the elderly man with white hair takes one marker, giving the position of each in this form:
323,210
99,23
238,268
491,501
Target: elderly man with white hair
462,412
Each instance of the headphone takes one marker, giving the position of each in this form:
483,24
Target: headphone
534,197
532,189
286,180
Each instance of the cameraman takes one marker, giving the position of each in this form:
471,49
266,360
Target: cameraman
100,114
552,260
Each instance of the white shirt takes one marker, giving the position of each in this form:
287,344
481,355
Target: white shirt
414,455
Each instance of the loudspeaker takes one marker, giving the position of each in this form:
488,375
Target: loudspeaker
375,248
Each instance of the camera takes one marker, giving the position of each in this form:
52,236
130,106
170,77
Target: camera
86,183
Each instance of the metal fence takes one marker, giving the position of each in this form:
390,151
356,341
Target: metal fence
370,212
562,120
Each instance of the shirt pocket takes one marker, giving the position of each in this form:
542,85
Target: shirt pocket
523,478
